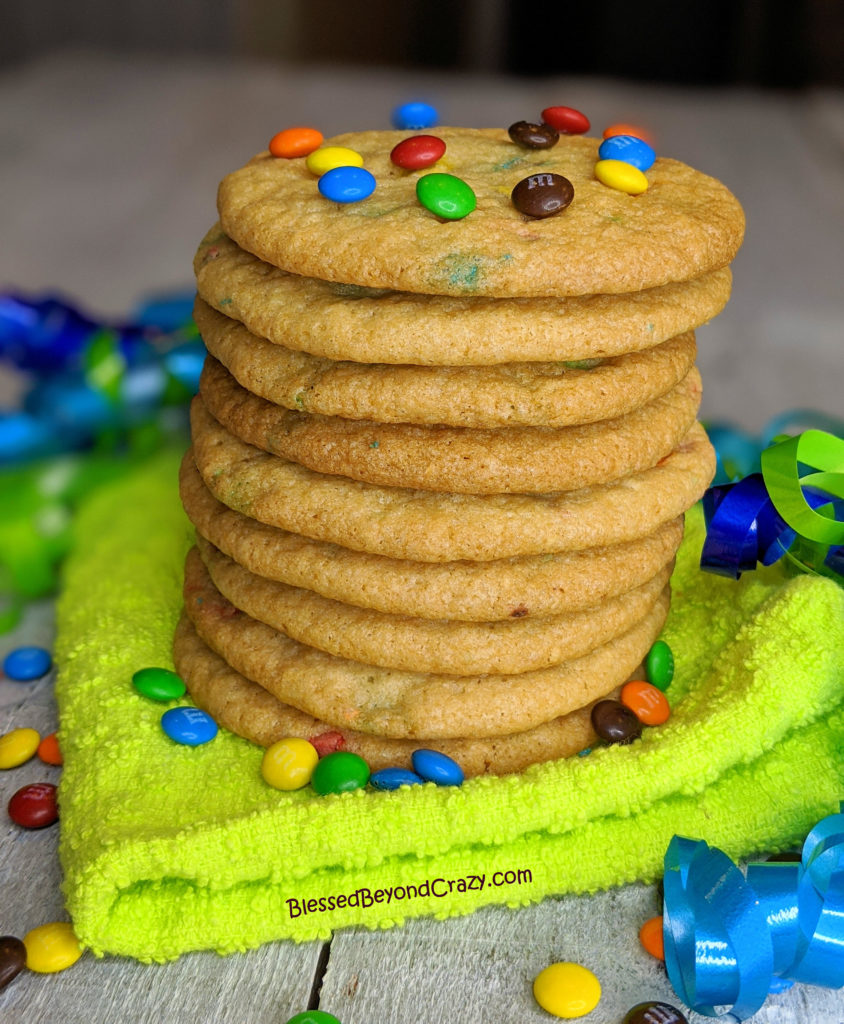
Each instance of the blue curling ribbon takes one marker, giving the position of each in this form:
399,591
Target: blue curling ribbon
730,940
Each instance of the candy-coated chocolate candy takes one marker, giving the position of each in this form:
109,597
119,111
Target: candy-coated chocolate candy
51,947
445,195
418,151
27,663
289,763
651,937
654,1013
647,703
34,806
614,722
12,958
347,184
566,120
567,990
533,136
328,742
392,778
542,194
158,684
189,726
295,142
629,149
628,129
329,157
340,772
659,665
415,116
17,747
621,176
434,766
49,751
314,1017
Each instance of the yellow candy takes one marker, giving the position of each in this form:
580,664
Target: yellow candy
329,157
18,746
624,177
289,763
567,990
51,947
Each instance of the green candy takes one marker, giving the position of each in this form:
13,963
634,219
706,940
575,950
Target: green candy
340,772
314,1017
659,665
158,684
445,195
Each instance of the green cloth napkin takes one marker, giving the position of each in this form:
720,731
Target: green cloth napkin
167,848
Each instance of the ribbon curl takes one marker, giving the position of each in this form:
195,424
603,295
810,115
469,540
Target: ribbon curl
730,940
784,510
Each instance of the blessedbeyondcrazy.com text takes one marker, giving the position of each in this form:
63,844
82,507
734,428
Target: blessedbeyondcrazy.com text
436,887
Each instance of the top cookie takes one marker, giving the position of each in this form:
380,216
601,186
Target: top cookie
606,241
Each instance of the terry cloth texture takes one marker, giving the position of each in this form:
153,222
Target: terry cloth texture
167,848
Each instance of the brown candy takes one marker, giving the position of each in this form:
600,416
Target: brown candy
614,722
12,958
542,194
533,136
654,1013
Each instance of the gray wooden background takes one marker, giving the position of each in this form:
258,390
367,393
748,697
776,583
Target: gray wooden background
108,171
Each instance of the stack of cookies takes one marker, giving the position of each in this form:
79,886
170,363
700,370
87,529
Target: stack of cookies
439,467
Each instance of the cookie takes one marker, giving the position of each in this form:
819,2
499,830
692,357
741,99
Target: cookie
506,460
605,242
509,394
247,709
431,527
509,646
337,322
402,704
512,588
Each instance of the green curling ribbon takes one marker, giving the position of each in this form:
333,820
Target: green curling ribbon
781,472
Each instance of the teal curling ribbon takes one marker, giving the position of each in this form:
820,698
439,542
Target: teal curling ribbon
730,940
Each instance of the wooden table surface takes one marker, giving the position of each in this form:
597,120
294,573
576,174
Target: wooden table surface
108,172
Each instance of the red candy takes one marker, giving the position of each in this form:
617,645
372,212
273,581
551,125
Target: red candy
418,151
328,742
34,806
566,120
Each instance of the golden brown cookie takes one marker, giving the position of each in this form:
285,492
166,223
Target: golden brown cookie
506,460
508,394
430,527
511,588
337,321
246,708
606,241
509,646
393,702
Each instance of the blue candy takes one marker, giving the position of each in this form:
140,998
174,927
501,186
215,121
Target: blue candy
27,663
189,726
392,778
346,184
629,149
436,767
415,116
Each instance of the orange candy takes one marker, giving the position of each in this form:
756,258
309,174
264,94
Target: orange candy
650,935
293,142
647,703
629,129
48,750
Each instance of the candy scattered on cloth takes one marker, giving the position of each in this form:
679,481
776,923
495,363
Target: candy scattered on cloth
167,848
